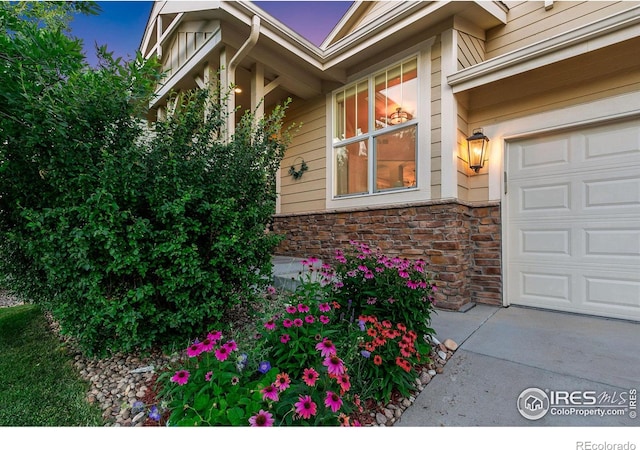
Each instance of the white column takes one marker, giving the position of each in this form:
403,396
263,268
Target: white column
257,90
227,78
449,117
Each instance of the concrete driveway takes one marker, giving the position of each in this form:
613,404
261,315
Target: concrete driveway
584,369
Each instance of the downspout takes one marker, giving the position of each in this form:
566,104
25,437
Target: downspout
231,71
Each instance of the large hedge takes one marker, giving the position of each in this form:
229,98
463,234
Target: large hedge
131,238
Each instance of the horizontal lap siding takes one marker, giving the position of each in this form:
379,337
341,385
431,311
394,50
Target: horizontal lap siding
309,144
529,22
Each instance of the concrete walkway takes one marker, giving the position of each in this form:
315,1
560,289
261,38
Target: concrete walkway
504,351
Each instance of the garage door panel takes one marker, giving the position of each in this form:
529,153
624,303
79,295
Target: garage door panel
572,234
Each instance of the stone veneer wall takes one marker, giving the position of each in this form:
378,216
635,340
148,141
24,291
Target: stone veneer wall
460,242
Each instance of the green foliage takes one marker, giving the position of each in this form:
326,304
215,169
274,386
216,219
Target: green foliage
131,237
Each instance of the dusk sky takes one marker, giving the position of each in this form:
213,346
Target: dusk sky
121,24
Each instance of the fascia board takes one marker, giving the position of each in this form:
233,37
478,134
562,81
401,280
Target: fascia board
615,28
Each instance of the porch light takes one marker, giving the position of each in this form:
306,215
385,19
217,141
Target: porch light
477,147
399,116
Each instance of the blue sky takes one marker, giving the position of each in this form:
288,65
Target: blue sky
121,24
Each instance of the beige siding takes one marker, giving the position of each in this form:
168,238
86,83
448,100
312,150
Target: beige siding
529,22
308,144
189,37
606,72
375,10
436,120
470,50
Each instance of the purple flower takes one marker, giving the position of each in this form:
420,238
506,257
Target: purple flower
264,367
154,414
361,325
365,353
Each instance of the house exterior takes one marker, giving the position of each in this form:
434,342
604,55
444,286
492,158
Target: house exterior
386,105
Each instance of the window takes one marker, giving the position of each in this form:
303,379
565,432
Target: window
374,132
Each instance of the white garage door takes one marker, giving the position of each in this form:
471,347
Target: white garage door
572,231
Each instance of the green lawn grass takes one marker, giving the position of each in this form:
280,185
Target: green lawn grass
38,384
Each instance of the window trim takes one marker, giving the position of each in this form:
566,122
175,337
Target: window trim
422,190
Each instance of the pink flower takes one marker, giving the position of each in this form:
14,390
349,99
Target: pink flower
181,377
194,350
287,323
231,345
326,347
310,376
282,381
214,336
344,382
262,419
369,275
207,345
270,393
412,284
309,319
291,309
324,307
333,401
222,353
306,407
334,365
208,376
285,338
271,290
303,308
297,322
403,273
270,325
324,319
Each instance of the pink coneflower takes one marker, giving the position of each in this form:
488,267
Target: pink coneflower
194,350
214,336
181,377
287,323
326,347
282,381
338,284
333,401
344,382
291,309
312,260
208,375
262,419
270,325
306,407
271,290
309,319
334,365
270,393
297,322
324,319
310,376
207,345
231,346
403,273
285,338
222,353
303,308
412,284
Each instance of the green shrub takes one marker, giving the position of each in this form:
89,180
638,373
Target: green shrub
131,238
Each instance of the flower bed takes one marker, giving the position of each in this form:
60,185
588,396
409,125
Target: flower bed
354,338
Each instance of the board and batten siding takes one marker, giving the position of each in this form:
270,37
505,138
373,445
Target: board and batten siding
529,22
309,144
189,37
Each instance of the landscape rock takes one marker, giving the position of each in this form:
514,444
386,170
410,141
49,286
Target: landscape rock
450,344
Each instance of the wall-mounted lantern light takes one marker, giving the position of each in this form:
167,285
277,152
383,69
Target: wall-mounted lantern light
477,147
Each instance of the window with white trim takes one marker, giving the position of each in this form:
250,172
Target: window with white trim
375,141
